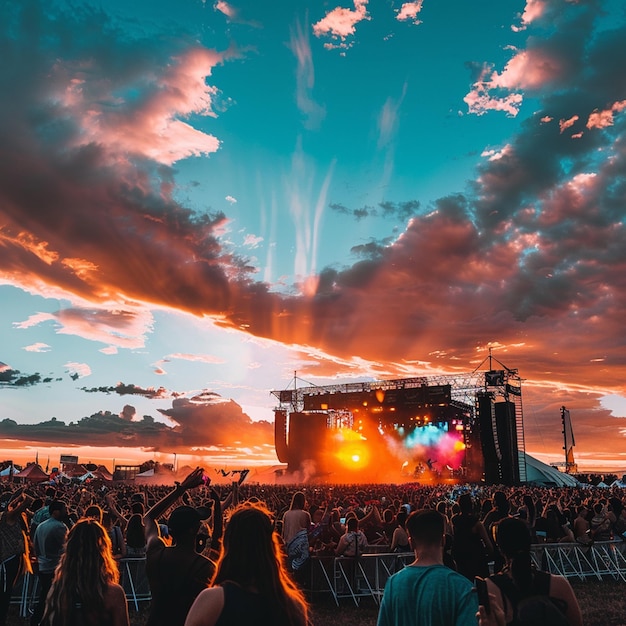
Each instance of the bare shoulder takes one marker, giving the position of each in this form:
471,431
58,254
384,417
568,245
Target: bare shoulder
116,605
114,593
206,608
561,589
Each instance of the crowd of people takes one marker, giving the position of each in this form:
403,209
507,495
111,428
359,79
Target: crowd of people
242,552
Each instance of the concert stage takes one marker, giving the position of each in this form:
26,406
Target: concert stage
436,429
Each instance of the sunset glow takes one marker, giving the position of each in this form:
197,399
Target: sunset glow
199,199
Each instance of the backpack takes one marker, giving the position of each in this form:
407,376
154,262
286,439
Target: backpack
535,608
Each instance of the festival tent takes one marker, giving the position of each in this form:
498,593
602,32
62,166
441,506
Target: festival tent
33,473
146,477
10,470
103,473
539,473
74,470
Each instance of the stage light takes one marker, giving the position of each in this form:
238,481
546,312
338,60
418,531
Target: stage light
356,458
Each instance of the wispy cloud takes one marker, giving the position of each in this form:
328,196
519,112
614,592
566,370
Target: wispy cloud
38,347
77,370
122,329
252,241
197,358
305,77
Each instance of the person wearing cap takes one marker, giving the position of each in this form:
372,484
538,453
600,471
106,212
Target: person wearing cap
176,573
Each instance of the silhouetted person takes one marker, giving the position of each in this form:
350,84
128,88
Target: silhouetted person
85,589
48,543
13,548
519,581
177,573
427,593
252,586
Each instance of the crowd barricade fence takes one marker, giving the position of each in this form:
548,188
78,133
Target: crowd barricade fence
133,579
366,575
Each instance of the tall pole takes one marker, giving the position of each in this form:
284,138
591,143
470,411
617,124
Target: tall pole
563,409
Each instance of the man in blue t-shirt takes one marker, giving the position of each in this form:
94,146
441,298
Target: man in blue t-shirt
427,593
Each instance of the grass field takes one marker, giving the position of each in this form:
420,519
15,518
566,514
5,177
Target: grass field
603,603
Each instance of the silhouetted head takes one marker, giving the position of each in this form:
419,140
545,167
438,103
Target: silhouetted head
426,528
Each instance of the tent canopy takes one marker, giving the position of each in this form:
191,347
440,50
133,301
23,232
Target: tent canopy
33,472
540,473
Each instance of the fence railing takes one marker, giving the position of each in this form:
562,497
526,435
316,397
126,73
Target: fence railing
133,579
365,576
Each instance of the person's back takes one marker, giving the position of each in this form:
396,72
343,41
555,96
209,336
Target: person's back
431,595
177,574
176,577
600,524
296,518
86,590
520,594
243,606
426,593
251,586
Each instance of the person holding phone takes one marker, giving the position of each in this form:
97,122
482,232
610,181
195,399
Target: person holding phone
520,592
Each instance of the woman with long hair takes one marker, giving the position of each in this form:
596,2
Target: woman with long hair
85,589
251,585
136,536
515,594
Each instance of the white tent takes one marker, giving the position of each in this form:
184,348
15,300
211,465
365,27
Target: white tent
8,471
540,473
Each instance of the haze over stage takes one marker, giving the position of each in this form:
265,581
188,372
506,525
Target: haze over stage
439,428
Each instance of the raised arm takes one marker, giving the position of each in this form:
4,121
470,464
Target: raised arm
109,498
218,523
18,505
150,518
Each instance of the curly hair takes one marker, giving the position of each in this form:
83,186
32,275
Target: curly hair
252,557
84,573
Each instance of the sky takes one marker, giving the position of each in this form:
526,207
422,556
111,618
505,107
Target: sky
199,199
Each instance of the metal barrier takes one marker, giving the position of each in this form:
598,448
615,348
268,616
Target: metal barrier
356,577
573,560
365,576
133,579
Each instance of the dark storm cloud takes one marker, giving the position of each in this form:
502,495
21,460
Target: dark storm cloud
210,420
205,420
10,377
399,211
530,257
130,389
